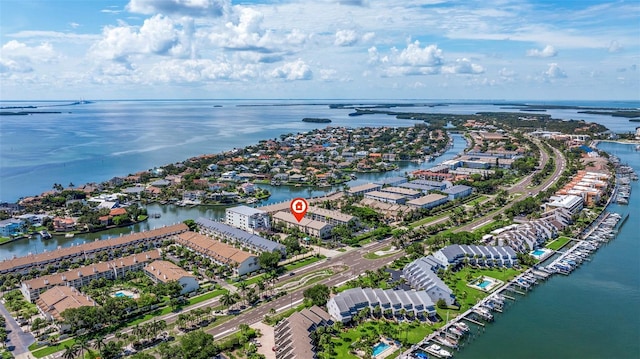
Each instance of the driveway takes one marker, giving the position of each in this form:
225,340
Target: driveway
17,338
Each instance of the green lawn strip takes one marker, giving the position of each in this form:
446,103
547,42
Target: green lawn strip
304,262
558,243
206,296
4,240
478,200
53,349
492,226
428,219
252,280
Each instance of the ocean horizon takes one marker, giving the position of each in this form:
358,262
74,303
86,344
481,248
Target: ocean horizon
96,141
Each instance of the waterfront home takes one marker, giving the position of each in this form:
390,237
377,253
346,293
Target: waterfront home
231,234
163,272
10,227
345,305
311,227
32,219
240,261
82,276
421,275
56,300
64,224
247,218
293,334
79,253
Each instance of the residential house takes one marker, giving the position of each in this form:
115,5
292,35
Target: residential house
163,272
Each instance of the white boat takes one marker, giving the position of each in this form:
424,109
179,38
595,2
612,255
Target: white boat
438,351
462,326
69,235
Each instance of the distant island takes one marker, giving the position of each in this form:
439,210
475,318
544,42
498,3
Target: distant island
316,120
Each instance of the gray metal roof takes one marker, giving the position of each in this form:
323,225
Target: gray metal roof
240,235
456,189
245,210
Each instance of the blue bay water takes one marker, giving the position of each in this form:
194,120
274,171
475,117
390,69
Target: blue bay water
95,142
592,313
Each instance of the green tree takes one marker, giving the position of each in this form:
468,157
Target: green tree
318,294
269,260
193,226
198,345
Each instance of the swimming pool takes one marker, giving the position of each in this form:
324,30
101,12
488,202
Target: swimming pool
120,294
484,284
379,348
538,252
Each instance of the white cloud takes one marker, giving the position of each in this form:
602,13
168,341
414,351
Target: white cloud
195,8
345,38
414,55
11,66
296,70
74,25
247,34
158,35
548,51
462,66
554,72
18,51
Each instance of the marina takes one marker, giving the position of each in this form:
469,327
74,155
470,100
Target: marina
454,332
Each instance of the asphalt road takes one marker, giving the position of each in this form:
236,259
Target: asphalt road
354,260
16,337
522,187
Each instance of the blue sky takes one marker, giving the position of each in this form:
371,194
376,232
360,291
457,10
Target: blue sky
430,49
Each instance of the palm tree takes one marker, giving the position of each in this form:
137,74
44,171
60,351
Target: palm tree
228,299
70,351
99,343
83,344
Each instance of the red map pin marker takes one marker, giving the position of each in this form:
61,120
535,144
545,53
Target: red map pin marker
299,207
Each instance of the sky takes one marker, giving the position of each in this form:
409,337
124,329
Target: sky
315,49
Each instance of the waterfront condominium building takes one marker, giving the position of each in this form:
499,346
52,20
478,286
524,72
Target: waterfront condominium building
231,234
79,277
247,218
421,275
345,305
293,335
89,250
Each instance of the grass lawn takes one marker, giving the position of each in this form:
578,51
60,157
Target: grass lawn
558,243
411,332
203,297
252,280
304,262
472,296
428,219
54,349
4,240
